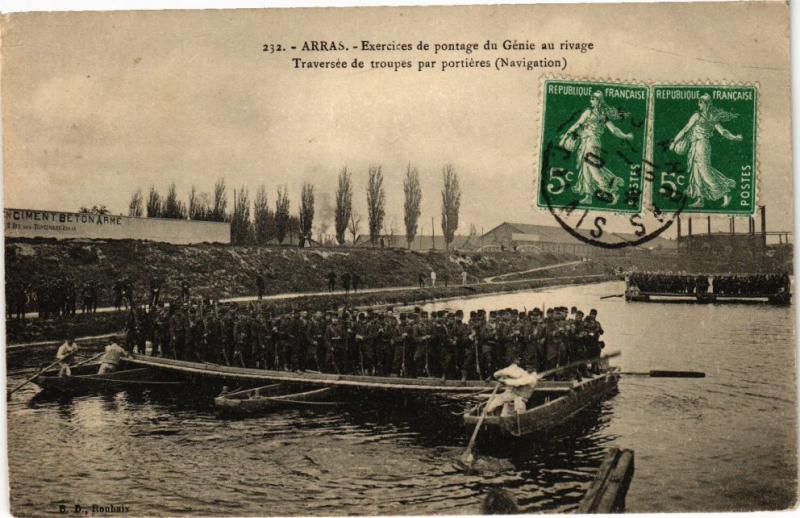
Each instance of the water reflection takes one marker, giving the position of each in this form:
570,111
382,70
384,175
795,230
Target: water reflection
700,444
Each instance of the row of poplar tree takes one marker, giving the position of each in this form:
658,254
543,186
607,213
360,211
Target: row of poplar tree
266,225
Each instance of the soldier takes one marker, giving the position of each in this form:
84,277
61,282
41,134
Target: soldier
155,291
346,282
471,363
332,340
355,280
316,331
184,291
178,326
116,289
131,332
551,346
593,330
331,280
86,298
93,294
259,285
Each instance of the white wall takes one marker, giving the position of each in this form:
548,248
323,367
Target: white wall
71,225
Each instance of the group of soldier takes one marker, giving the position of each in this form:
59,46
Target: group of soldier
58,297
350,280
692,284
382,343
754,284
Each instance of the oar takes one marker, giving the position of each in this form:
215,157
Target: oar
578,363
467,457
8,395
96,356
667,374
612,296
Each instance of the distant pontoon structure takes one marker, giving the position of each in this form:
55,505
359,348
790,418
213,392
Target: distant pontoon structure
732,251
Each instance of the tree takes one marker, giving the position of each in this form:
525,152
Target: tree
292,226
376,203
281,214
173,208
261,217
220,206
354,225
413,201
135,207
153,203
389,230
306,218
241,227
198,205
451,203
344,204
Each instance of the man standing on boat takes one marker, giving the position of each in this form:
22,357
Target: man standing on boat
110,360
593,330
67,350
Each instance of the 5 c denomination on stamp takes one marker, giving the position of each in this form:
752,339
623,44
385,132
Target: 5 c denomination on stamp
593,145
704,148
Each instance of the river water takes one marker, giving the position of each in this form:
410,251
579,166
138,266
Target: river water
725,442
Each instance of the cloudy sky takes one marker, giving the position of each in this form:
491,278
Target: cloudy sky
97,105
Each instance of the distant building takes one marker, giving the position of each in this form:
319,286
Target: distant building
523,236
292,239
419,243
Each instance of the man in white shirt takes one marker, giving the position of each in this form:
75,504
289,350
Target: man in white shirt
110,360
64,354
433,279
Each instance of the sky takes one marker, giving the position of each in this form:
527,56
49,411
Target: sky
97,105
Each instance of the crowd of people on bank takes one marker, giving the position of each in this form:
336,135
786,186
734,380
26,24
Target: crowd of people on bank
756,284
383,343
58,297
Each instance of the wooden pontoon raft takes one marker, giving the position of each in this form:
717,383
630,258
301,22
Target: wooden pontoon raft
778,299
550,405
222,373
85,379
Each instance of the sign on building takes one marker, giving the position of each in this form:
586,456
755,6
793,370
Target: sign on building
72,225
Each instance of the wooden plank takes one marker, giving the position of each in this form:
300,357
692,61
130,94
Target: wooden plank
613,498
591,497
256,375
610,486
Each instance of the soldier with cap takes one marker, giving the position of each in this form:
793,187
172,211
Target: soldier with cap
592,331
259,284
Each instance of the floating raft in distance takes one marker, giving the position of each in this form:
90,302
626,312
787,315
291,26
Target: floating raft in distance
708,298
225,373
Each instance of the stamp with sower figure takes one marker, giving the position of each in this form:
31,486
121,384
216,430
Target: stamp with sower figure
704,148
593,145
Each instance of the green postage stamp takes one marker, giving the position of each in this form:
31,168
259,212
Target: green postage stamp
593,145
704,148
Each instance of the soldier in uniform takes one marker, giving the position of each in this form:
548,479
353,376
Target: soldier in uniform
332,339
593,330
259,285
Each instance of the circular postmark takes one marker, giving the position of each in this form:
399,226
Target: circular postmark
642,226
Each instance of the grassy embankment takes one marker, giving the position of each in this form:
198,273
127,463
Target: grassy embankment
220,271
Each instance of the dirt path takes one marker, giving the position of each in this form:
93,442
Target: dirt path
494,278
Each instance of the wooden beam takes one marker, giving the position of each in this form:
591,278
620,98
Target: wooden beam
610,486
